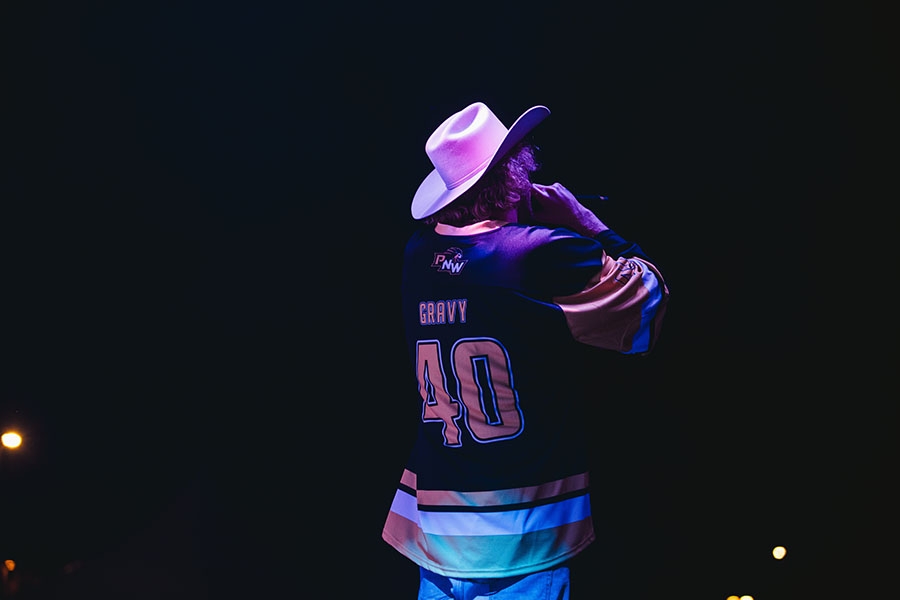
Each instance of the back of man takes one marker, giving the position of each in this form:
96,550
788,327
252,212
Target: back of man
497,485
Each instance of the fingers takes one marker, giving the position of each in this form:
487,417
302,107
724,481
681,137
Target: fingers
545,190
541,195
555,186
555,192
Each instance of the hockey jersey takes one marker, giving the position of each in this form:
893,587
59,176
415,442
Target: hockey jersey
497,482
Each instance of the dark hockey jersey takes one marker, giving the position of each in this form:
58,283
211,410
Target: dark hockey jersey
497,483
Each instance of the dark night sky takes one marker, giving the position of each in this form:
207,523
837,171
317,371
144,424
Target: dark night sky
204,210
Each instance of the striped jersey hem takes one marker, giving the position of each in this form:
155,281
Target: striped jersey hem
494,533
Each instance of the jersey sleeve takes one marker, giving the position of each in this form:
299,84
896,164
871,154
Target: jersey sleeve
613,297
620,309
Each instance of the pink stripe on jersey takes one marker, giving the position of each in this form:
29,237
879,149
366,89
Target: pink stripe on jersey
408,478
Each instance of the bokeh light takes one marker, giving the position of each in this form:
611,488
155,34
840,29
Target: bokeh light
11,439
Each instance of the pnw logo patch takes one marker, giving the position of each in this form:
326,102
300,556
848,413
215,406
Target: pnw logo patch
449,261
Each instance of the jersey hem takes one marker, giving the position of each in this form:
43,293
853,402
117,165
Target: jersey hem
471,574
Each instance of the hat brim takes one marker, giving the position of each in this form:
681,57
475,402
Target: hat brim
432,195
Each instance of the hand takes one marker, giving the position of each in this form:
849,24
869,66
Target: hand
555,205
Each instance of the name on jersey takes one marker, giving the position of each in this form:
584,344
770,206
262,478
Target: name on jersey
442,312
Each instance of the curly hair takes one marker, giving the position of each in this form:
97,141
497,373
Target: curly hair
498,190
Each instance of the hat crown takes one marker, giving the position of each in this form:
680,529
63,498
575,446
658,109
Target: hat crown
465,143
462,150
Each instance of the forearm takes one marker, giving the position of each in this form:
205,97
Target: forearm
616,246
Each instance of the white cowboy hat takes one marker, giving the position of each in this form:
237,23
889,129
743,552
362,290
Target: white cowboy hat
463,148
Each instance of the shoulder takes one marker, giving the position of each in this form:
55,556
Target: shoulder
416,240
555,244
540,237
555,260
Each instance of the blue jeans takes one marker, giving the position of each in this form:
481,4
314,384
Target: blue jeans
550,584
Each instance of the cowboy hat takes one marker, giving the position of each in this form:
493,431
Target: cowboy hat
465,147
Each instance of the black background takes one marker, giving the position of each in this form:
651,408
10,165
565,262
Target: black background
204,208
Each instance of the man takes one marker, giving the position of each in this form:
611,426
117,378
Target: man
494,499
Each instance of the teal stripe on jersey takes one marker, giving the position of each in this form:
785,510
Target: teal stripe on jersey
492,542
487,555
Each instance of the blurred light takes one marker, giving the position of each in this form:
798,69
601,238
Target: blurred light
72,567
11,439
10,565
732,598
778,552
746,598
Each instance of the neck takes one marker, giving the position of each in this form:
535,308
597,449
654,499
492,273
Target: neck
510,216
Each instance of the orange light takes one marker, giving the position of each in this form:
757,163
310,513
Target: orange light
732,598
11,439
10,564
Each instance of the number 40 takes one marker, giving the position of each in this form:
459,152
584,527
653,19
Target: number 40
484,389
